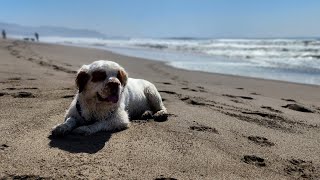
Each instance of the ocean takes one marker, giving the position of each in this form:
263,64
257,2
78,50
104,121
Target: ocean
292,60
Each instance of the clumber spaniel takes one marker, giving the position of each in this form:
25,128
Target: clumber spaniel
107,98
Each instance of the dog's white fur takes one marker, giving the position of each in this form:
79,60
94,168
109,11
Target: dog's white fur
107,104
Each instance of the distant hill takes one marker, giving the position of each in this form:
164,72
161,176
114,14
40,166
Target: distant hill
16,29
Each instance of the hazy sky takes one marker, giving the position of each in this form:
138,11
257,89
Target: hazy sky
172,18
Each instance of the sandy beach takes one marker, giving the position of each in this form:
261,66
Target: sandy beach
220,127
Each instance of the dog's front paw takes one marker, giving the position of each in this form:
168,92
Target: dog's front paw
160,116
82,130
146,115
60,130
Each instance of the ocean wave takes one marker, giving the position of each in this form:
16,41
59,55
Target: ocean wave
233,48
295,55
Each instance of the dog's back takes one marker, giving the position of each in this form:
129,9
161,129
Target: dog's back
137,97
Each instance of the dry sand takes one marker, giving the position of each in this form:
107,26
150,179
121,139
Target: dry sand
220,127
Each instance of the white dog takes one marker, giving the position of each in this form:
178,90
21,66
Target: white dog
107,98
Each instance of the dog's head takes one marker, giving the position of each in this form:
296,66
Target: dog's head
101,81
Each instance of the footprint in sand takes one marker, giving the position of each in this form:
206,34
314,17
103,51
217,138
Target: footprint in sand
11,88
289,100
30,88
262,114
301,169
166,83
68,96
167,92
187,99
297,107
203,128
197,101
21,88
165,178
189,89
242,97
14,52
229,95
67,88
31,59
271,109
254,160
22,177
23,95
237,101
3,93
192,101
262,141
14,79
3,147
201,89
240,88
254,93
245,97
66,64
31,79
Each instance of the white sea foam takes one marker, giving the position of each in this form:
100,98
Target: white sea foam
296,60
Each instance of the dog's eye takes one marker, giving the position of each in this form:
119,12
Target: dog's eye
98,76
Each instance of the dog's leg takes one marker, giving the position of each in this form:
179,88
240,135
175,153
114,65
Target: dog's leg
118,121
65,128
155,101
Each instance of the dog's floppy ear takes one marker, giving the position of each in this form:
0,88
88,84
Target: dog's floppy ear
82,79
122,76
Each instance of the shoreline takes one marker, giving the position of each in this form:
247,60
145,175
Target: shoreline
289,63
164,63
252,82
220,126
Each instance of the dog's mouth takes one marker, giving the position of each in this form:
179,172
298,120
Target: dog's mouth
114,98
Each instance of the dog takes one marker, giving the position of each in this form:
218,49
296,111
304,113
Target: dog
106,99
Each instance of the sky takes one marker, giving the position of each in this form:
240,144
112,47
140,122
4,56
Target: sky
172,18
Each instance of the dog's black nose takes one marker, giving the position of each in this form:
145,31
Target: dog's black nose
113,86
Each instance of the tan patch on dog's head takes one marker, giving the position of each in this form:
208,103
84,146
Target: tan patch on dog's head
81,80
122,76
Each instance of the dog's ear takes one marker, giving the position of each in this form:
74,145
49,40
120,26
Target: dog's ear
122,76
81,80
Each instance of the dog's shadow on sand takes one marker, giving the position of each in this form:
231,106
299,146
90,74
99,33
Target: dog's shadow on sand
81,144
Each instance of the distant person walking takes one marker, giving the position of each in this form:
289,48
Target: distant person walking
4,35
37,36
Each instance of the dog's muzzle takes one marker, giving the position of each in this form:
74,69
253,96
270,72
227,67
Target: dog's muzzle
113,90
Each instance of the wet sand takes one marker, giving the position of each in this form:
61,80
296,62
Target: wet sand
220,127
